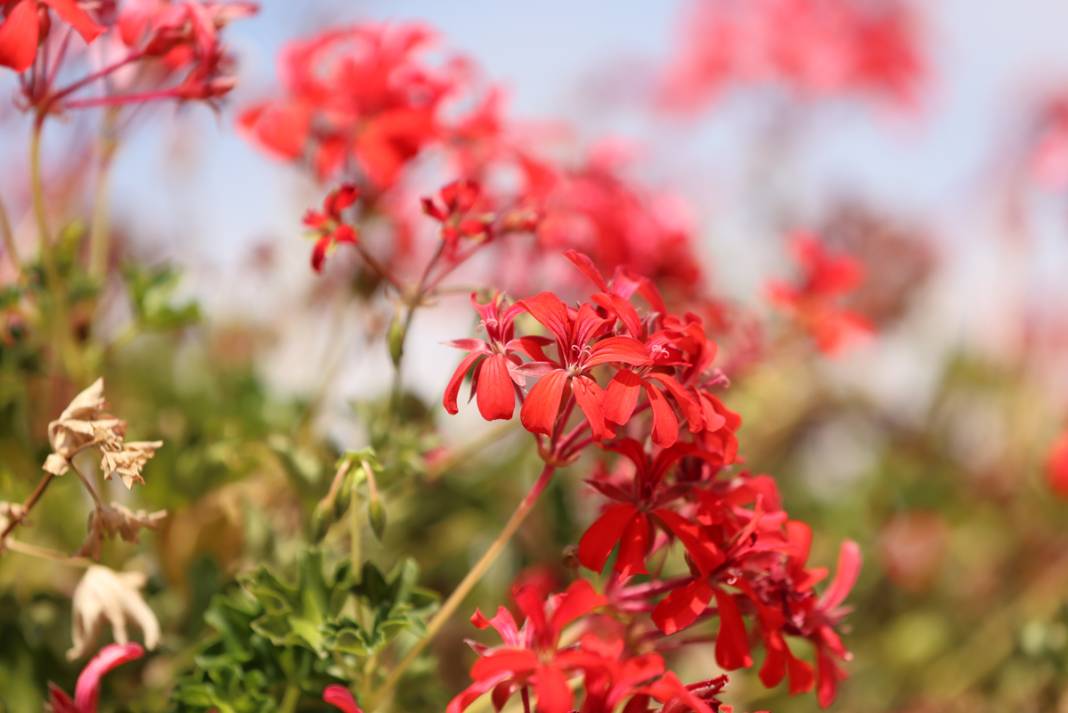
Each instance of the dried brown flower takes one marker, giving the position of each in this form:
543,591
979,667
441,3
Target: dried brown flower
117,520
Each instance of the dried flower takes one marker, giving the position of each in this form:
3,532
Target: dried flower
86,423
115,519
106,595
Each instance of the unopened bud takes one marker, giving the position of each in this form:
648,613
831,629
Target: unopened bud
396,339
376,513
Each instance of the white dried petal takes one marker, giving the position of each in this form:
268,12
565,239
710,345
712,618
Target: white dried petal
104,596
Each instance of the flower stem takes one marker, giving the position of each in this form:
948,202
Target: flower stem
8,236
469,581
25,548
99,229
42,485
48,258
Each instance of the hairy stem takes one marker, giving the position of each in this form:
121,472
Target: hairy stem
468,583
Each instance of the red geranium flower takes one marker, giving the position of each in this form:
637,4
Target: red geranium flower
329,225
645,503
532,655
825,279
583,341
492,362
20,31
456,210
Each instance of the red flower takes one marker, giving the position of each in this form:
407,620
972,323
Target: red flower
340,697
355,95
455,210
583,342
329,225
531,655
87,689
491,363
1057,466
815,47
643,505
814,302
20,31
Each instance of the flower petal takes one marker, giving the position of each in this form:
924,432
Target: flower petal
496,390
732,642
543,403
601,537
19,34
87,690
340,697
682,607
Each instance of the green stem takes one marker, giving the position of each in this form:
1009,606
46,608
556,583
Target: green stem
100,229
59,323
355,532
8,236
291,699
468,583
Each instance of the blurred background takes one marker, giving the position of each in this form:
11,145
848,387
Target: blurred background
928,444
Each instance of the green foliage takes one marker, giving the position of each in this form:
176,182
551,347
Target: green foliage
276,641
151,292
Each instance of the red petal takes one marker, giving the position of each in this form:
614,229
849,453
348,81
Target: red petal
689,406
621,397
496,391
704,553
548,309
19,36
87,690
554,695
586,266
543,403
844,578
633,547
280,128
732,643
600,539
318,256
590,398
578,601
623,350
453,387
472,693
665,423
79,19
682,607
340,697
510,661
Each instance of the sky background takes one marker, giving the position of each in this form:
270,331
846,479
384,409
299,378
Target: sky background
201,195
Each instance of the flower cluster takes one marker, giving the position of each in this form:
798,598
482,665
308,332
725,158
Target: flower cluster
371,106
622,372
815,300
813,47
152,49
